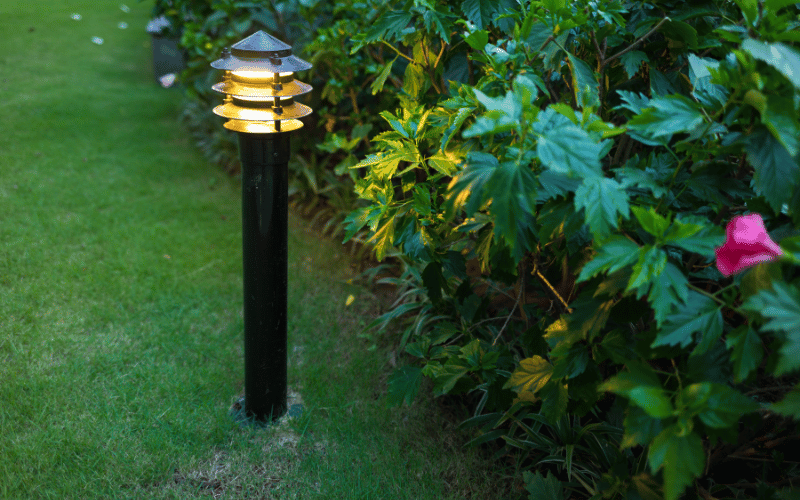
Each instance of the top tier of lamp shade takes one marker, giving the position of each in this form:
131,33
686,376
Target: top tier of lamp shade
259,86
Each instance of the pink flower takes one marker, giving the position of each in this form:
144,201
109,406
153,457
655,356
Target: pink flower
746,244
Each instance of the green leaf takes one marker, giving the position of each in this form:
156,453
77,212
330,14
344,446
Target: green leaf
572,364
641,178
749,9
455,125
782,57
718,406
569,150
640,428
652,400
433,279
442,164
667,290
604,200
415,81
779,118
377,85
359,218
702,239
651,221
439,23
555,397
746,351
699,314
680,32
638,374
789,405
404,384
543,488
649,265
448,375
513,190
683,459
477,39
583,80
479,12
467,189
383,239
781,307
614,254
774,168
531,375
632,61
388,26
667,115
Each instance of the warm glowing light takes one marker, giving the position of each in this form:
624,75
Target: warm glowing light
257,74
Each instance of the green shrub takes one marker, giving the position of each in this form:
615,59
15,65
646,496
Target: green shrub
558,205
554,179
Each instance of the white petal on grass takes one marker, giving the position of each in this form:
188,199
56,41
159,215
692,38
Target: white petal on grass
167,80
76,17
97,40
124,8
122,26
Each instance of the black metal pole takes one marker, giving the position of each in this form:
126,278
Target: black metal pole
265,159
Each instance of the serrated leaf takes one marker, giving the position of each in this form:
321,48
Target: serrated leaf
543,488
404,384
383,239
555,397
479,12
774,168
779,118
380,80
652,400
571,364
781,307
746,351
415,80
667,115
583,81
569,150
632,61
467,189
649,266
782,57
702,239
439,23
530,376
604,201
640,428
789,405
513,189
680,32
455,125
667,290
448,375
614,254
701,315
716,405
651,221
683,459
477,39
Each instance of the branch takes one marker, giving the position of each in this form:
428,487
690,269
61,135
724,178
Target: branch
637,42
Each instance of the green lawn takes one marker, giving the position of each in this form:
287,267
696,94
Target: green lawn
120,302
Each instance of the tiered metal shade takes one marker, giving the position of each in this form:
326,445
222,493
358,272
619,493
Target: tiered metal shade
260,87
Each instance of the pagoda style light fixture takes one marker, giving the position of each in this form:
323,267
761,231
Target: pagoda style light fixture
260,91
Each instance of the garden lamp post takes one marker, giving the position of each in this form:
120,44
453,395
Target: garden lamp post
259,103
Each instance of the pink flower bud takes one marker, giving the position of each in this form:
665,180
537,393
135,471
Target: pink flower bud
746,244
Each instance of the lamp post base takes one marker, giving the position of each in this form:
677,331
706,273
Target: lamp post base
245,419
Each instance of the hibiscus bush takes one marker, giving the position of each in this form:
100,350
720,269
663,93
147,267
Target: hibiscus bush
596,205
